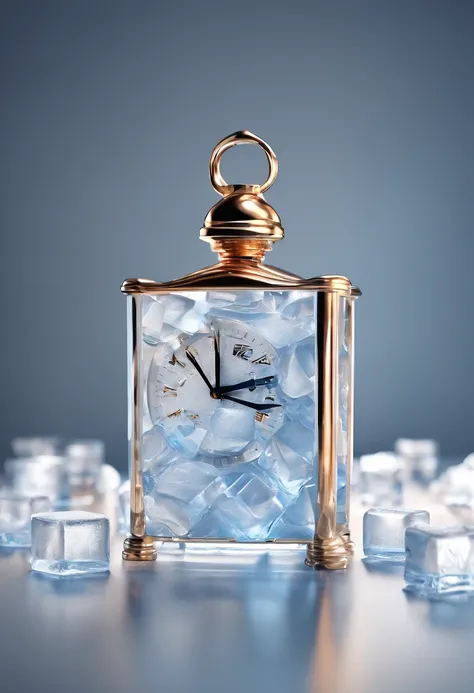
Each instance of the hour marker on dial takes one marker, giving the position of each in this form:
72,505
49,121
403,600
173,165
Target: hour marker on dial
260,416
170,391
263,360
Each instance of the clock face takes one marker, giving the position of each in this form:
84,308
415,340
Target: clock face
215,393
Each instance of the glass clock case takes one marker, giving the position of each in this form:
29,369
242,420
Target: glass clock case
240,393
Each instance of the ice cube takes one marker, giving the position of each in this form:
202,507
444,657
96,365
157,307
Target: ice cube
298,520
37,476
123,508
178,494
420,456
289,456
384,531
252,504
152,323
15,517
36,446
231,430
297,370
70,543
108,479
282,333
439,560
380,479
155,446
183,434
455,486
83,459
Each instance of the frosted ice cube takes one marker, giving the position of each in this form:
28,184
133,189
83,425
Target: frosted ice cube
231,430
70,543
439,560
289,456
123,508
384,531
380,479
15,517
420,456
83,459
252,505
297,370
36,446
37,476
178,495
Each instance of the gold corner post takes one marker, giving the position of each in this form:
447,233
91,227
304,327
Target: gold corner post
328,548
137,546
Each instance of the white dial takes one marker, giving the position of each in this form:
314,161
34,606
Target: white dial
192,393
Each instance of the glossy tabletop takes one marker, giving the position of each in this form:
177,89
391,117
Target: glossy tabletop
246,622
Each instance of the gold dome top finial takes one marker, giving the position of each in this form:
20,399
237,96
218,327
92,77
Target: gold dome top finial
242,224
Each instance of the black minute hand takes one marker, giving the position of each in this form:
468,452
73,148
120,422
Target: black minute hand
252,405
199,370
246,384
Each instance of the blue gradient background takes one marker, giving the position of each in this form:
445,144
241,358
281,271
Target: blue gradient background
109,111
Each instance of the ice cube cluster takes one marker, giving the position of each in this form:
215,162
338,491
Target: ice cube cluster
254,491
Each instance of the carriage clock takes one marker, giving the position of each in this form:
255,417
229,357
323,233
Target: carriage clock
240,392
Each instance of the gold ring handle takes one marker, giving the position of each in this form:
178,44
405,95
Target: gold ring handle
241,137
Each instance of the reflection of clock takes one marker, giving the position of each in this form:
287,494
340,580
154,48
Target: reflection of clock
214,394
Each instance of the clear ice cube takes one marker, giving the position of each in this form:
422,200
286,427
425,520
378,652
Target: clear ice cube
298,521
36,446
289,457
152,323
183,434
252,504
70,543
177,496
380,479
384,531
297,370
15,517
420,457
439,560
455,486
231,429
37,476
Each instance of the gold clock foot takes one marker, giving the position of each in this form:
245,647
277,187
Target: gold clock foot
139,549
328,553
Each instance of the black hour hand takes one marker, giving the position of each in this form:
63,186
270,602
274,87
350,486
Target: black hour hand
199,369
252,405
246,384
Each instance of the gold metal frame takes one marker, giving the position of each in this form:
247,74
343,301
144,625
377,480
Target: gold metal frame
241,228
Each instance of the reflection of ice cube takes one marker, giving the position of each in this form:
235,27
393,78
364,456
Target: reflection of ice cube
182,492
439,560
70,543
231,430
289,456
252,505
381,479
297,370
384,531
15,517
183,435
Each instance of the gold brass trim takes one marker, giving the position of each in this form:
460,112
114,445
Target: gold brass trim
328,548
240,137
139,549
242,273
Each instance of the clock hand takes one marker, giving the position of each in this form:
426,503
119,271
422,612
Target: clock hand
199,370
246,384
252,405
217,361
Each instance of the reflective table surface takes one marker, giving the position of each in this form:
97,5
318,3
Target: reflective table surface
236,622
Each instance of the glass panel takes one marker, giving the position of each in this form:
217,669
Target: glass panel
228,446
342,418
